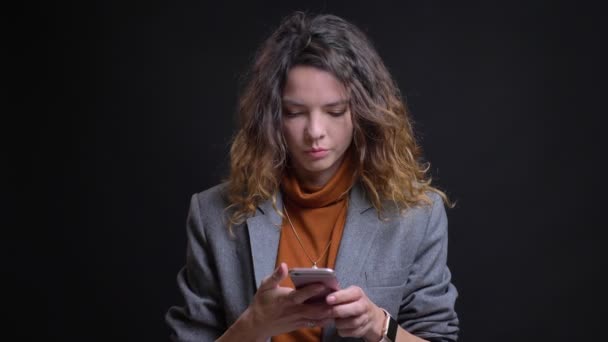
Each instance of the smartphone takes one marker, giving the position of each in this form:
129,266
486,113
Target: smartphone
302,276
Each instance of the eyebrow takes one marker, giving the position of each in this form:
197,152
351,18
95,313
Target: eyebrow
299,104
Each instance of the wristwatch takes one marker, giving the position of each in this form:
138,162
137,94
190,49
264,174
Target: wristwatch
389,332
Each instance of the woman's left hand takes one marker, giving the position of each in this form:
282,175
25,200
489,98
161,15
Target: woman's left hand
356,315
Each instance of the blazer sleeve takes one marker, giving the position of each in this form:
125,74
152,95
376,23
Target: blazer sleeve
201,318
427,309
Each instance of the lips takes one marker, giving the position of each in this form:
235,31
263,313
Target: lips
317,153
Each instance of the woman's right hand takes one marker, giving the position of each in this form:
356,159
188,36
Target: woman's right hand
276,310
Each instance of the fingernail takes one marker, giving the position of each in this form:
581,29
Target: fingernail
331,299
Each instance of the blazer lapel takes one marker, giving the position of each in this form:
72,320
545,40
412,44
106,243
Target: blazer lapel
359,231
264,234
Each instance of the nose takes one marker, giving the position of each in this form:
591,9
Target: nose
315,126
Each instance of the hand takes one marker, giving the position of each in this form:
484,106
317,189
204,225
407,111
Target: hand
356,315
276,310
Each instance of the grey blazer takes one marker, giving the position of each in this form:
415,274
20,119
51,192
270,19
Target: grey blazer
400,263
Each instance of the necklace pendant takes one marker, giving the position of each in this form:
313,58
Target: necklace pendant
314,265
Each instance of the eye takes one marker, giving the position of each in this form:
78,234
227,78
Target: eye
291,114
337,113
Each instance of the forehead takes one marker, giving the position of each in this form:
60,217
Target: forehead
311,86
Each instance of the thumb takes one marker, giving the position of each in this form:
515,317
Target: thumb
273,280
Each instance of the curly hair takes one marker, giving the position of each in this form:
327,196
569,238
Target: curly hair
386,155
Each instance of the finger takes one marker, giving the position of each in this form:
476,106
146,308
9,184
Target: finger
315,311
273,280
358,332
347,295
311,323
324,322
352,323
357,308
300,295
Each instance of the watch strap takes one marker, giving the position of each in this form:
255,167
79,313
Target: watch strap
389,332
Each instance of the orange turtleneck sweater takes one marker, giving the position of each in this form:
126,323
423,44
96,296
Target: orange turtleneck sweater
318,216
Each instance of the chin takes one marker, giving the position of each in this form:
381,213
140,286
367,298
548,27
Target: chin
319,168
320,165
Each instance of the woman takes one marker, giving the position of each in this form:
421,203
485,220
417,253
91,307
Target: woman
324,172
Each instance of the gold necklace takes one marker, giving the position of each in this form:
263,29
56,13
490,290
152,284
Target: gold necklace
314,263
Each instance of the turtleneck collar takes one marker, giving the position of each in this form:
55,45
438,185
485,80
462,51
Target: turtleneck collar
335,190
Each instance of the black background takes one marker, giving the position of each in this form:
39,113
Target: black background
123,109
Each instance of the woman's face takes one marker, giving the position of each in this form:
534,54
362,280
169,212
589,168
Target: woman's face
317,123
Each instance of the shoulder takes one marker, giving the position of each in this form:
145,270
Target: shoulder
424,209
417,222
211,202
208,217
429,211
431,218
215,194
435,206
